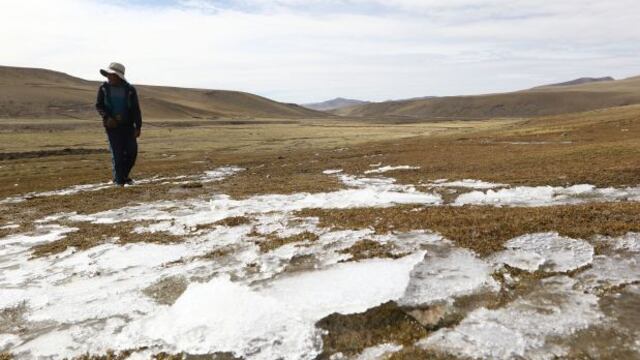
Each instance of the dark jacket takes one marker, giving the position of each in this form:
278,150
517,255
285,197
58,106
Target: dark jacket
132,117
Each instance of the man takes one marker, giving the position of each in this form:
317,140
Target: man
118,105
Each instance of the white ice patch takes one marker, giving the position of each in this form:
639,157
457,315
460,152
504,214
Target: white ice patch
209,176
385,169
7,341
276,321
547,196
466,183
218,174
609,271
182,218
521,329
332,171
629,242
378,352
545,251
68,191
70,298
445,274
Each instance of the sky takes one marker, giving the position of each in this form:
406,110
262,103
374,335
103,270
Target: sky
314,50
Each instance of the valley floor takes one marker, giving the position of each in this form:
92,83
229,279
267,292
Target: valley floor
324,239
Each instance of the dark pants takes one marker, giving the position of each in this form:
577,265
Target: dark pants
124,150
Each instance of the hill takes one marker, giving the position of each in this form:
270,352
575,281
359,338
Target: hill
40,93
583,80
335,104
542,101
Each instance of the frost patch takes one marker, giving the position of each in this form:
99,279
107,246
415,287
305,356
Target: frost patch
545,251
630,242
80,301
378,352
521,329
444,274
209,176
385,169
466,183
183,217
547,196
218,174
610,271
276,321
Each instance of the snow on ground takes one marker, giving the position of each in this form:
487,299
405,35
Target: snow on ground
519,330
465,183
503,196
271,322
182,217
208,176
610,271
384,169
94,300
378,352
263,304
546,251
445,274
547,196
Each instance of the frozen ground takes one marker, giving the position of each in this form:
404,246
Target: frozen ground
218,290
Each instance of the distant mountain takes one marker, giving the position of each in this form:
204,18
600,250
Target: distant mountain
335,104
41,93
584,95
584,80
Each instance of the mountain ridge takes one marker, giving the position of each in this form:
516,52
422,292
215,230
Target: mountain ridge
540,101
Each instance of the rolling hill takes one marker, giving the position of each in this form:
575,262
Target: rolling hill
40,93
546,100
335,104
583,80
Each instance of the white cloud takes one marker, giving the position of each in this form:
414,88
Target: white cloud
294,50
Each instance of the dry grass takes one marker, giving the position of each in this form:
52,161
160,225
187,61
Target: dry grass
110,355
278,155
43,93
485,229
413,353
350,334
273,242
234,221
90,235
535,102
168,290
368,249
245,185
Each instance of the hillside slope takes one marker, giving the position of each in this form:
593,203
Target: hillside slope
583,80
40,93
334,104
549,100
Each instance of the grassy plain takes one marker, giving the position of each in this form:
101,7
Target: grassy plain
285,156
600,147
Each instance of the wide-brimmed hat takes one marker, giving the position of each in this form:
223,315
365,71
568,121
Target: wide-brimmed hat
114,68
